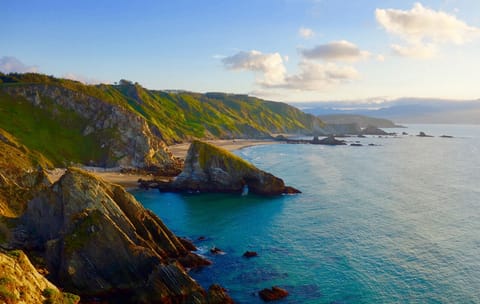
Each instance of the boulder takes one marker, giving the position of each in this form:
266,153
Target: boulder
329,140
98,240
275,293
209,168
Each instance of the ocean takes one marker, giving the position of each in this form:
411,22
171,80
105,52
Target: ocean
398,222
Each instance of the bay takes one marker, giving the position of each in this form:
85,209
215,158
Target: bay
398,222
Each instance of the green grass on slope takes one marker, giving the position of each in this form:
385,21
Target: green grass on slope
50,130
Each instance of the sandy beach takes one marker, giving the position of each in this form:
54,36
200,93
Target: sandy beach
180,150
129,181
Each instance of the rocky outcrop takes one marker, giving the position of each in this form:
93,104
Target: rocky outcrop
20,282
329,140
97,240
371,130
209,168
125,138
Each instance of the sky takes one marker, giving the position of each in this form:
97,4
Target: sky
285,50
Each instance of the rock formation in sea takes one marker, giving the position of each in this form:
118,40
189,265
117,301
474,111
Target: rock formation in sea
97,240
90,237
209,168
330,140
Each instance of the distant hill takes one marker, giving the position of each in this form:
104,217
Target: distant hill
127,125
404,110
361,120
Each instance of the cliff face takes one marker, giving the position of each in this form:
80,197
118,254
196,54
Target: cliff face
209,168
99,241
21,283
19,179
119,137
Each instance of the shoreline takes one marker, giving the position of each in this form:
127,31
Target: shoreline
130,181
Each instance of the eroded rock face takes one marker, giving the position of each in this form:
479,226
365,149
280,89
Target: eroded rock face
98,241
125,136
20,282
209,168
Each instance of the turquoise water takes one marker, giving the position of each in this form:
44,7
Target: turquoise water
394,223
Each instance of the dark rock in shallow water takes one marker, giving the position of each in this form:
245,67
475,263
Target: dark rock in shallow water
329,140
216,250
250,254
422,134
211,169
275,293
356,145
446,136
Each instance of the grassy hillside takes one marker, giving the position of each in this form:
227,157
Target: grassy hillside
172,116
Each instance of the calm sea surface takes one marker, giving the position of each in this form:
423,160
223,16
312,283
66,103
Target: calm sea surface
393,223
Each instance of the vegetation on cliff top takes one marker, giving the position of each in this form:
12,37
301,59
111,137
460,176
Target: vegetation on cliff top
175,116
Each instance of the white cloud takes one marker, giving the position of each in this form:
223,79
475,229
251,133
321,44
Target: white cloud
311,75
9,64
317,76
336,51
271,65
423,28
81,78
306,33
380,57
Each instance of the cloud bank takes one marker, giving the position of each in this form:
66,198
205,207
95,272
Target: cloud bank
422,29
311,75
336,51
10,64
270,65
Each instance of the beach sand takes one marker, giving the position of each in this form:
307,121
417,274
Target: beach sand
129,181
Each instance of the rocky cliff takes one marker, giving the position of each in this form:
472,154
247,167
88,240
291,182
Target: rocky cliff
97,240
209,168
118,137
20,282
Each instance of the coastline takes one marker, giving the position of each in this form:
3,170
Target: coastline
130,180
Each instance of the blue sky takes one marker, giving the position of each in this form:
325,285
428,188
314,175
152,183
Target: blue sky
291,50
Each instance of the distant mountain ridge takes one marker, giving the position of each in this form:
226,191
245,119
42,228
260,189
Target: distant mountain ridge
361,120
404,110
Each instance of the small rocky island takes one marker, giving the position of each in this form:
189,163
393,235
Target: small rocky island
209,168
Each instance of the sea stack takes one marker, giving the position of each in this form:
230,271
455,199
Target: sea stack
212,169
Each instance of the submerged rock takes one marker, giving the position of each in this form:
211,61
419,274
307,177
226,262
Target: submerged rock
209,168
98,241
250,254
275,293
